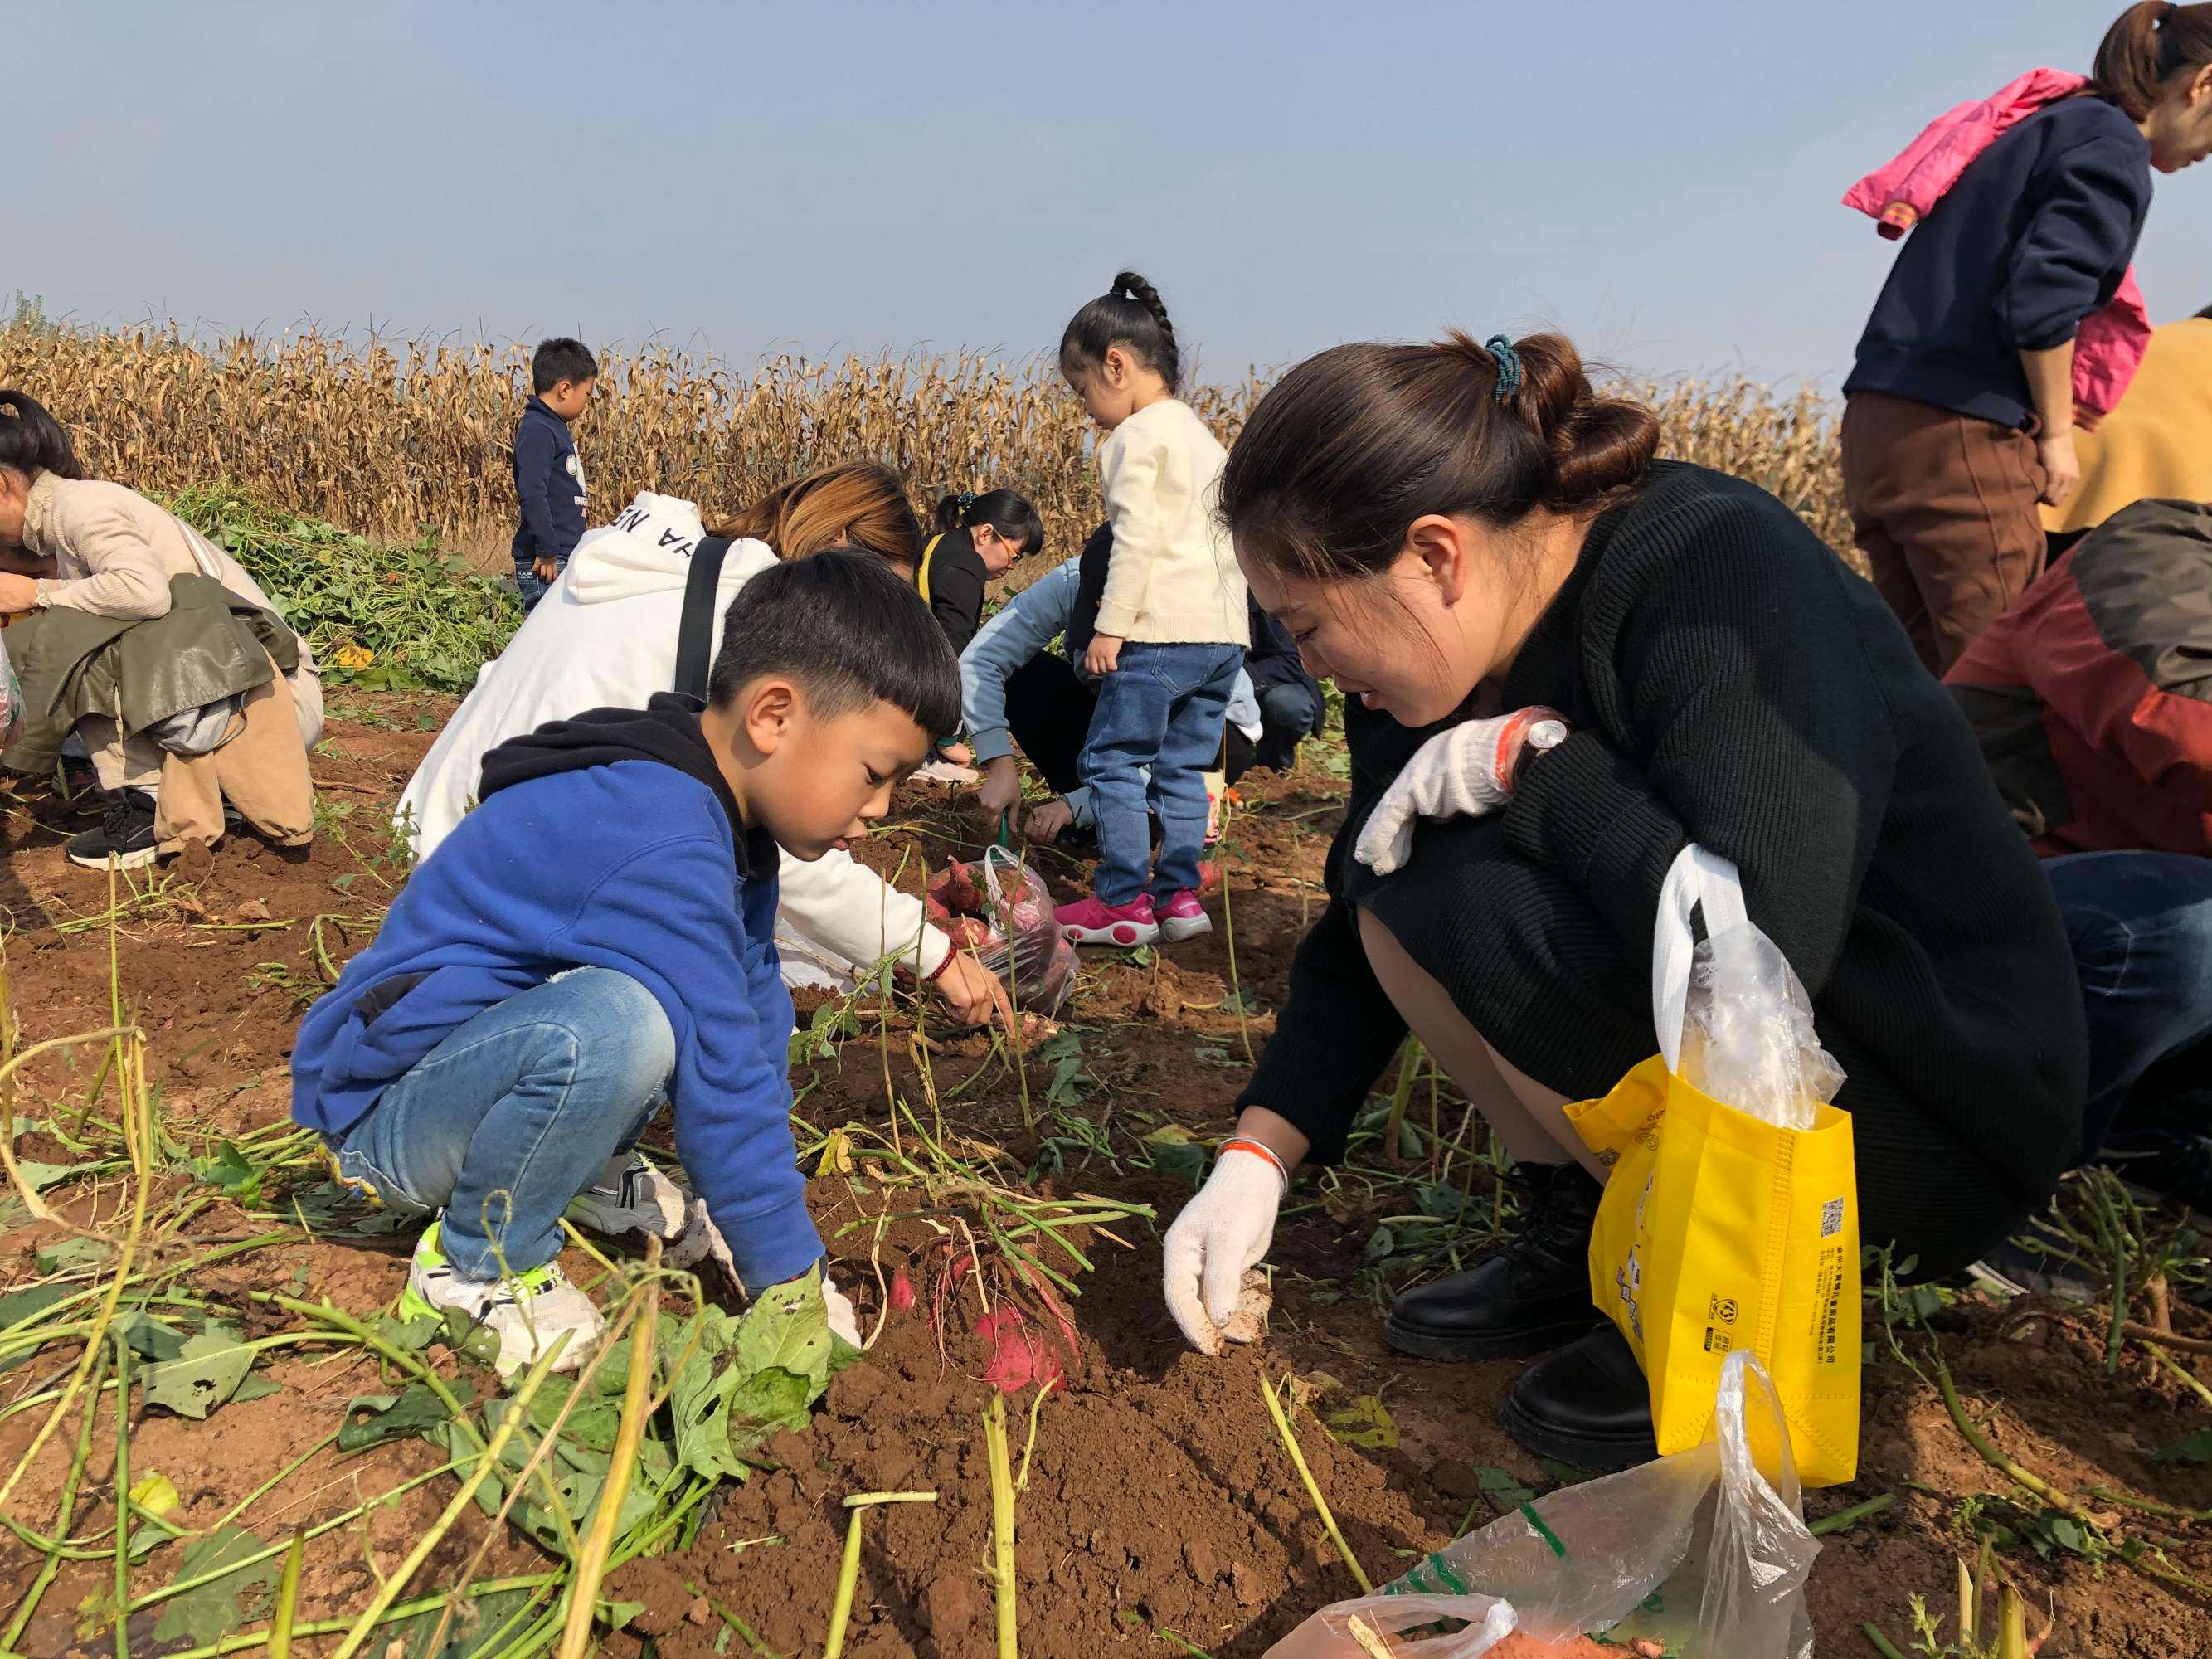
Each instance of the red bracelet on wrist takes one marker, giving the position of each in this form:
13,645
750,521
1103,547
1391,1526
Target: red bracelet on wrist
938,972
1242,1144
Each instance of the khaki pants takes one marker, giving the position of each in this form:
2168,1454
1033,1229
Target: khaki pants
1944,507
261,767
1530,1120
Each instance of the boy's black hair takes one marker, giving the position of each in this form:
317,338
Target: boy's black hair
561,359
849,631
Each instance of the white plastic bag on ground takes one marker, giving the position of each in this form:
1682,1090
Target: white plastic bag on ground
1699,1552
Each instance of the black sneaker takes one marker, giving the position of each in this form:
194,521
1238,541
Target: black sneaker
1530,1298
125,835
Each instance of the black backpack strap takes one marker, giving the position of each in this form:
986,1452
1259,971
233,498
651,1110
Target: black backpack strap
695,636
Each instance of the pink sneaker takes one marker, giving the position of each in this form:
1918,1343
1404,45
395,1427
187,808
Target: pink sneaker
1183,917
1090,922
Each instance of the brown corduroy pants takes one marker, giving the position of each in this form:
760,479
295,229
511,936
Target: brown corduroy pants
1944,507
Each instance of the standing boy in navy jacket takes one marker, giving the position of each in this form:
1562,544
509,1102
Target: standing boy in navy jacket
597,936
548,479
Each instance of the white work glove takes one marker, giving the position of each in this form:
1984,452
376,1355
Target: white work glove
1462,773
844,1323
701,1238
1223,1230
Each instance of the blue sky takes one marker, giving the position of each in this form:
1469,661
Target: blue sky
1660,179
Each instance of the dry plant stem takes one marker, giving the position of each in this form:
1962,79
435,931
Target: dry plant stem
53,1562
1002,1525
2187,1376
287,1600
389,1591
848,1576
1313,1486
592,1564
138,1135
546,1442
1851,1517
2179,1343
252,1639
1229,933
1028,1446
2150,1566
122,1495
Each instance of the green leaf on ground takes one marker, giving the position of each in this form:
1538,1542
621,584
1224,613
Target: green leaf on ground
1364,1421
17,1306
1177,1153
228,1169
2190,1448
69,1253
40,1177
410,1337
150,1339
413,1410
205,1373
747,1379
1502,1489
203,1617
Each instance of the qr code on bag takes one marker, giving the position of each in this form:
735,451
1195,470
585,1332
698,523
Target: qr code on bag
1831,1217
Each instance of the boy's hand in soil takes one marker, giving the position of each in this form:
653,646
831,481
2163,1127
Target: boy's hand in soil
1222,1231
1001,791
1104,654
1047,821
971,992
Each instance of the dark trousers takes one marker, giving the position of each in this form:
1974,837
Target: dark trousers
1944,507
2141,926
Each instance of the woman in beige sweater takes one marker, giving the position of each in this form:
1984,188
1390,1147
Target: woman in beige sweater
72,543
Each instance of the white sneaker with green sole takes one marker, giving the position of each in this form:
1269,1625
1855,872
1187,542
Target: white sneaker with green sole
528,1312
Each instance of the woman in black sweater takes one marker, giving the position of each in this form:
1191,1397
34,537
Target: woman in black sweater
1562,661
978,537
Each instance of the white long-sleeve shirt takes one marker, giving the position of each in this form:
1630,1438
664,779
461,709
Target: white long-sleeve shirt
1173,578
605,636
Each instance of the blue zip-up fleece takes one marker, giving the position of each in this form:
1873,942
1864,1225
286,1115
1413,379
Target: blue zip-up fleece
2034,237
549,482
609,840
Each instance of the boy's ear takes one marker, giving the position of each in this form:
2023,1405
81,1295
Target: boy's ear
766,709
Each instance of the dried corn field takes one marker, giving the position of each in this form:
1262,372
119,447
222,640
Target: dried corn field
392,438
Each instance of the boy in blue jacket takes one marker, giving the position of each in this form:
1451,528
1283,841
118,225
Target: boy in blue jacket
596,936
548,479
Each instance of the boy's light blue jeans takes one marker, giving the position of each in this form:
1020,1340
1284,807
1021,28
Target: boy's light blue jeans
1162,708
515,1112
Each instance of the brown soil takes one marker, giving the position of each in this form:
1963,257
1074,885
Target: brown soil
1159,1498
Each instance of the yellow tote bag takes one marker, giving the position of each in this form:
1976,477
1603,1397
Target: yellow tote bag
1719,1231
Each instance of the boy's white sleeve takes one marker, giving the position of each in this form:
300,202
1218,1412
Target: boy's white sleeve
847,907
1134,467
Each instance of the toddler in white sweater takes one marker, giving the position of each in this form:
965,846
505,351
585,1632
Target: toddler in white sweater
1171,623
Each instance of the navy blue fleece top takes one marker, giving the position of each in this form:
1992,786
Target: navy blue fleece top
2035,236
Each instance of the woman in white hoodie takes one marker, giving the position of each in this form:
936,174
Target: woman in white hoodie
606,635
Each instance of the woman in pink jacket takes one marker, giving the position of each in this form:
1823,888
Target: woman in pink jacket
1959,414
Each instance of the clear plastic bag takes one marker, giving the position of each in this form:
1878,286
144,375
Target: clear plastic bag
1700,1552
1748,1035
1012,928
